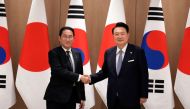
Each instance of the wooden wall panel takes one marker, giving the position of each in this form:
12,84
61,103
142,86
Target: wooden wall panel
175,12
141,16
175,20
95,15
17,15
53,17
130,13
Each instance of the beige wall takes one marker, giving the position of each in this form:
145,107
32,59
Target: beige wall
175,12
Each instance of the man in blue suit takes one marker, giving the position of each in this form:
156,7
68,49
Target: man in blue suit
126,68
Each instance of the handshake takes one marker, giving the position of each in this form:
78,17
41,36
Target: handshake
85,79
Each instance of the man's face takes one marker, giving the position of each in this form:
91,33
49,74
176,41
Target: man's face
66,39
121,36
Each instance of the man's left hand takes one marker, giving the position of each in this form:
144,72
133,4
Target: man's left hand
81,106
143,100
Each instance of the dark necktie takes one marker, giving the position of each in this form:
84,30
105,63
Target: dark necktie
119,62
70,61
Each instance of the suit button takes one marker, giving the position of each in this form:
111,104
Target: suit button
74,84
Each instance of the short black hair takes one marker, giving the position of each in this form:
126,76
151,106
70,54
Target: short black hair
121,24
66,28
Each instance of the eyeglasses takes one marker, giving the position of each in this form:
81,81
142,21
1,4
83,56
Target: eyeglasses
67,37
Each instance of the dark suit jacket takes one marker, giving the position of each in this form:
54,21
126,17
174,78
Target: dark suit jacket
62,78
132,82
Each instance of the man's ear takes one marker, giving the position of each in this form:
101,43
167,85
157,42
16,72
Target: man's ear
128,34
59,37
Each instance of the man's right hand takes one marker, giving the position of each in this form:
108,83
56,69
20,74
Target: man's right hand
85,79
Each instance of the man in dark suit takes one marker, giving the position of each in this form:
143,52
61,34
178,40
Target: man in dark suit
65,88
125,67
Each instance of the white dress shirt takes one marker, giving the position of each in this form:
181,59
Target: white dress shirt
72,59
123,53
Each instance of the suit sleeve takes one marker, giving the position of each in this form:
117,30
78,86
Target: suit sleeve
81,85
58,69
102,74
143,74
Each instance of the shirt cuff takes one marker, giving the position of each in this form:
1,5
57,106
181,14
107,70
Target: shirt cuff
79,77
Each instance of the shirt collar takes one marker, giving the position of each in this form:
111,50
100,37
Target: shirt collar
66,49
123,49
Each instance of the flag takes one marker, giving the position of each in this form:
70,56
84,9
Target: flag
7,89
115,14
182,81
155,46
33,70
76,20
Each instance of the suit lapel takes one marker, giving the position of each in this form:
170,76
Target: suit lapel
64,58
74,58
113,60
62,54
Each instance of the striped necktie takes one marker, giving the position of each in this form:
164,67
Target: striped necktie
70,61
